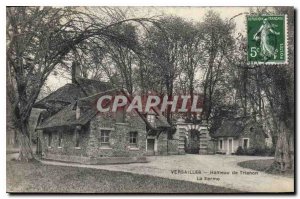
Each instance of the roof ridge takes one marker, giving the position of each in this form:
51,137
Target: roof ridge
81,78
70,92
90,96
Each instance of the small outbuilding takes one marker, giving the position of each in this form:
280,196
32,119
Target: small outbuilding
241,132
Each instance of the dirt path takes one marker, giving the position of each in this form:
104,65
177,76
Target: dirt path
188,168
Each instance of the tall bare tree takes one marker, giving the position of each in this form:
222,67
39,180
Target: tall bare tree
219,42
267,94
165,48
38,40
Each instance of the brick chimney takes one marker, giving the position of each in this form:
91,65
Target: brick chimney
75,71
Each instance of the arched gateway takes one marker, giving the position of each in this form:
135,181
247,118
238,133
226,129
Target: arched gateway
193,138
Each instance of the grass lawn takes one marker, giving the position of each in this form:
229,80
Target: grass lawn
36,177
263,165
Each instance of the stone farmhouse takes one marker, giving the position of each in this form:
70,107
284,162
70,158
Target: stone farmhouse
71,129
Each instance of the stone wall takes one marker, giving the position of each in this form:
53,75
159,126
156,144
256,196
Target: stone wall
256,136
173,147
167,146
162,141
180,132
119,145
206,143
90,149
68,141
91,160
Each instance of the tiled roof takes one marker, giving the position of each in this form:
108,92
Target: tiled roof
234,127
69,93
230,129
67,116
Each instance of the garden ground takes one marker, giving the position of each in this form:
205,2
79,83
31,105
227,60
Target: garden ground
36,177
217,170
264,165
161,174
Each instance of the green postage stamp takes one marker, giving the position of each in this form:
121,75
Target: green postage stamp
267,39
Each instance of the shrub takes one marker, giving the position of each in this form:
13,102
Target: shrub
259,151
251,151
240,151
264,151
271,151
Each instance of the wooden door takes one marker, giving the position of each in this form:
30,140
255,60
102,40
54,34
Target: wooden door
150,146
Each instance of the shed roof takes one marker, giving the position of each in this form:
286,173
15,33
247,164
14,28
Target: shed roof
230,129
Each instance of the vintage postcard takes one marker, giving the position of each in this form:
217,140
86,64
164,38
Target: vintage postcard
150,100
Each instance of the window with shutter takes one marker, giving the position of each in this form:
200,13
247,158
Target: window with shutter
245,143
221,144
77,139
49,139
133,139
104,137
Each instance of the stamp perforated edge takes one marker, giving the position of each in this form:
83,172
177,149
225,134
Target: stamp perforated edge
285,40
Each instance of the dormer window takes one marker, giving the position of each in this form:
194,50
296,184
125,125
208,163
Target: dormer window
120,115
151,118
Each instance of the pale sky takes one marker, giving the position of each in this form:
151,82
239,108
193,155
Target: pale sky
195,14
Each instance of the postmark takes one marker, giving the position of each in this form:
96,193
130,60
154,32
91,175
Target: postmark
267,39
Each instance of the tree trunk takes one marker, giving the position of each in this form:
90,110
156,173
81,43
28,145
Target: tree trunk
292,152
191,91
283,152
25,152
